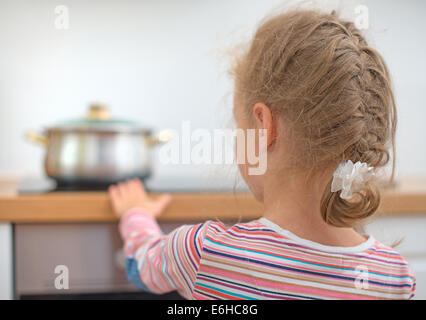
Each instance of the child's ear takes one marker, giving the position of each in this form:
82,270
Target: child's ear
263,118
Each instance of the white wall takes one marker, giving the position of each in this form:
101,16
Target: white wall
164,61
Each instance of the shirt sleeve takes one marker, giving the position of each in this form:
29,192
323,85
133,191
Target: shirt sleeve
161,263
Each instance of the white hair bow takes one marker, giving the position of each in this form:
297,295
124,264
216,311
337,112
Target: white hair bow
350,178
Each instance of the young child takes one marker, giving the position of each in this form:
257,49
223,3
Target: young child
324,97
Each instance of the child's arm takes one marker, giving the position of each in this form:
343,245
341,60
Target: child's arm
161,263
155,262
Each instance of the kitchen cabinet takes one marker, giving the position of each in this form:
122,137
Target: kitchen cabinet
6,262
91,254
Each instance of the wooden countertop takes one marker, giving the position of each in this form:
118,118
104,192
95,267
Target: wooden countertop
408,197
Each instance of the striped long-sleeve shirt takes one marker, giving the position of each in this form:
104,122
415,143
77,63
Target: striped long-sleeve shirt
257,260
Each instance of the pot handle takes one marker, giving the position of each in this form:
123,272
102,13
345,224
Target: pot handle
162,137
37,138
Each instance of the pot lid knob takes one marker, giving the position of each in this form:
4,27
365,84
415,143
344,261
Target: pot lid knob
98,112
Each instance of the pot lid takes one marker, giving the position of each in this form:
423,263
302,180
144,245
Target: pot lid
99,119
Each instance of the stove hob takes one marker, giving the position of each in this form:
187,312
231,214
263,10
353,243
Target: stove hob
62,185
38,185
34,186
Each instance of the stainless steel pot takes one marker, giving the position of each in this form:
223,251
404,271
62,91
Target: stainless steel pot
98,149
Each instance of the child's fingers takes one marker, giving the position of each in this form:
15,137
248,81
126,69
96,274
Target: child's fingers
114,197
163,201
132,190
113,192
129,187
123,188
138,186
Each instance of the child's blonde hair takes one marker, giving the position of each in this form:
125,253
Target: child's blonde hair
332,90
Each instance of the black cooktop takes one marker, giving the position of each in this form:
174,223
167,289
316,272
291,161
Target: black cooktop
153,184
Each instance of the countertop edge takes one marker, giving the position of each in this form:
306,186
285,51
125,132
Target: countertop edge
65,207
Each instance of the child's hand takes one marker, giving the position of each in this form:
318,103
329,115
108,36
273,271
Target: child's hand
131,194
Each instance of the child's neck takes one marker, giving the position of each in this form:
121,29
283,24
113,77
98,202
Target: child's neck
296,208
